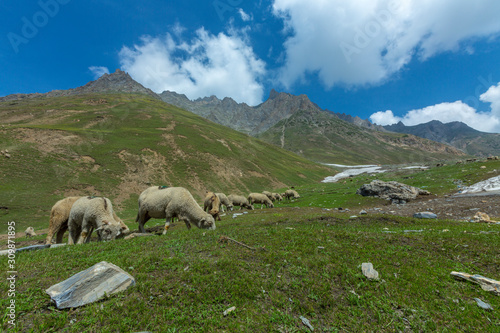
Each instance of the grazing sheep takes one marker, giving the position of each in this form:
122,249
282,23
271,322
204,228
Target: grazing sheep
239,200
89,213
291,194
260,198
212,204
172,202
277,197
224,200
59,215
30,232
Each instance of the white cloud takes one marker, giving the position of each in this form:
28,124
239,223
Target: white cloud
448,112
98,71
366,41
492,95
221,65
244,16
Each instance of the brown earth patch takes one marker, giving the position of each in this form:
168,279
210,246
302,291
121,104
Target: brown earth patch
47,141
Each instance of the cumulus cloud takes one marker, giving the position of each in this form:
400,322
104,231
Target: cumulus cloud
447,112
244,16
366,41
221,65
98,71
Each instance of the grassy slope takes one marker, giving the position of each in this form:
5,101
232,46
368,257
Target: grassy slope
325,138
307,264
66,146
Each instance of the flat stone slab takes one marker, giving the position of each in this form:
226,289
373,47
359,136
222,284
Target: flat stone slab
485,283
90,285
425,215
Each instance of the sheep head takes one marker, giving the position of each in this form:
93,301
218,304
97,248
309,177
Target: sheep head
109,231
207,222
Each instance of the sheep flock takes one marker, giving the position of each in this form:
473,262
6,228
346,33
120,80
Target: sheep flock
81,216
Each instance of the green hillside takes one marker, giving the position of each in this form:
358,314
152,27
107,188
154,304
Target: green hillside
116,145
321,136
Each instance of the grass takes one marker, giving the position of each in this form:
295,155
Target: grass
308,257
64,146
307,264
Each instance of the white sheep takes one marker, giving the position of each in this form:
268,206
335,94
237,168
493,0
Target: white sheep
89,213
291,194
269,195
240,201
30,232
260,198
224,200
59,215
157,202
277,197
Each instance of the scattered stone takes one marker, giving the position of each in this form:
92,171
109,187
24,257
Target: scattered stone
135,234
485,283
482,304
369,271
425,215
30,232
90,285
228,311
397,192
482,217
306,322
363,212
407,231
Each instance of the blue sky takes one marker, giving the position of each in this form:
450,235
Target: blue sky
388,61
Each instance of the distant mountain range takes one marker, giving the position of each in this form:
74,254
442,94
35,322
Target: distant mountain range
291,122
456,134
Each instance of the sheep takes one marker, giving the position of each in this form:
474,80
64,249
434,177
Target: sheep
239,200
277,197
89,213
59,215
260,198
291,194
172,202
224,200
269,195
29,232
212,204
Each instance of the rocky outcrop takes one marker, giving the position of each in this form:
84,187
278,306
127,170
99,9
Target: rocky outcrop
397,192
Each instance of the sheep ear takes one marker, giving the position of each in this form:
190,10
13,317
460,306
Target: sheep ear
105,222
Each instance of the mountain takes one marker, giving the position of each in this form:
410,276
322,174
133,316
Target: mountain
278,108
455,133
240,116
322,136
116,145
299,125
119,81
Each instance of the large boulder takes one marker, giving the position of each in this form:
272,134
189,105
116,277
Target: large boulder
397,192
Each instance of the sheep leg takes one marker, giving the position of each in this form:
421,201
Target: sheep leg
167,225
87,239
142,221
188,225
60,233
74,231
84,232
